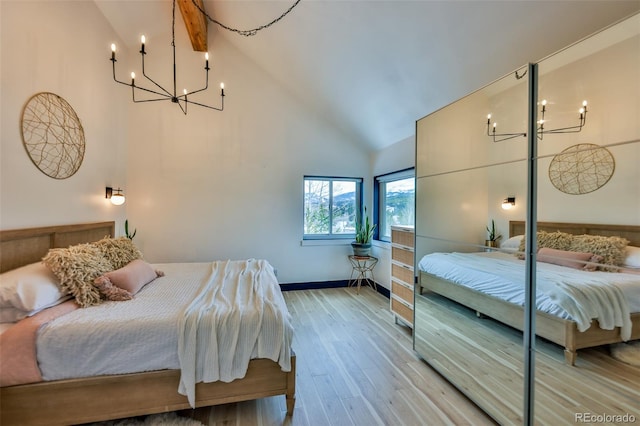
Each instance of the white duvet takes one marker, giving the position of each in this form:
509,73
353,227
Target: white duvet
561,291
228,321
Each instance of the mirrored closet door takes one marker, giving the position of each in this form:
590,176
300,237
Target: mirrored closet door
482,170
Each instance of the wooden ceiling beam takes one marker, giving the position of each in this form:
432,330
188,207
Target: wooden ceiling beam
195,22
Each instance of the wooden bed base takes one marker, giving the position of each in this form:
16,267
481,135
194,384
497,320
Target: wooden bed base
93,399
560,331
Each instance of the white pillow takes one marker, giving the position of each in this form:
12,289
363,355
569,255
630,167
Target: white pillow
29,288
512,243
631,257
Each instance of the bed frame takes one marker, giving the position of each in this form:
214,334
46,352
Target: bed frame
101,398
560,331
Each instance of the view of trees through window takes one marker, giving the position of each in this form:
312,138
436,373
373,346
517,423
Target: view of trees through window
330,206
397,206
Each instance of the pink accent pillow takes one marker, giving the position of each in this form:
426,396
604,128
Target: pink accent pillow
133,276
109,291
570,259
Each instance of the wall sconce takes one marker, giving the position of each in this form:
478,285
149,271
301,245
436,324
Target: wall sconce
508,203
116,197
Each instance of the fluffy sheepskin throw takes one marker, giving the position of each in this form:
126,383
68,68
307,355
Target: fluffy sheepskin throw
553,240
612,249
110,291
76,267
118,251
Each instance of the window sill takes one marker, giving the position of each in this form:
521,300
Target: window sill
381,244
337,242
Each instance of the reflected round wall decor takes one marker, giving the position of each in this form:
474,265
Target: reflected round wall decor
581,168
52,135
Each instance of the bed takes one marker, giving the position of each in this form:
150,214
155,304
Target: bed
562,331
112,396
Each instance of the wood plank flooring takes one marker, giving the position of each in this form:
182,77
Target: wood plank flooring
485,359
355,366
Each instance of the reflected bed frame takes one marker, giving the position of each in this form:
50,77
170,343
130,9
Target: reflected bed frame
101,398
561,331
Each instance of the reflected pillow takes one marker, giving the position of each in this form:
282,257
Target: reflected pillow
612,249
512,243
570,259
631,257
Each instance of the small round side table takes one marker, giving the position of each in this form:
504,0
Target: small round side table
362,269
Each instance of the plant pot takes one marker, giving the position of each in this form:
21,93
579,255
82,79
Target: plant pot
491,243
360,249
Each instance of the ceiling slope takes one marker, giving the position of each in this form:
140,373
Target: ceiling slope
373,67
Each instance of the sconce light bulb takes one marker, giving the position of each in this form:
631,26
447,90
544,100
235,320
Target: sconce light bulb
185,91
508,203
206,56
222,85
143,39
581,110
494,125
489,117
584,103
113,47
133,75
544,102
117,200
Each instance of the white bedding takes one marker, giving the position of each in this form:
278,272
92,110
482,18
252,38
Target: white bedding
143,334
561,291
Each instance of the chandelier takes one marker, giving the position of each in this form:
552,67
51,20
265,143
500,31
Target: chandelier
499,137
160,93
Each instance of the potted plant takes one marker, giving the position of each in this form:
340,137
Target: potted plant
492,235
126,230
364,234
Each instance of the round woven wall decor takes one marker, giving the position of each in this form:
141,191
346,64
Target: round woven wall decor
52,135
581,168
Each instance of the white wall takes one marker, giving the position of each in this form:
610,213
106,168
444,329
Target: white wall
208,185
59,47
399,156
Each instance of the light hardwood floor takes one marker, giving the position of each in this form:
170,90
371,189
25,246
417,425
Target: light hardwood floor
485,358
355,366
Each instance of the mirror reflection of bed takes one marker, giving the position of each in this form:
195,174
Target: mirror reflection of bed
476,340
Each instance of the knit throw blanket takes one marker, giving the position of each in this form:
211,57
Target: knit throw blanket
238,314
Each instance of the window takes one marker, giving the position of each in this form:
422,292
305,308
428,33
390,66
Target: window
394,196
330,206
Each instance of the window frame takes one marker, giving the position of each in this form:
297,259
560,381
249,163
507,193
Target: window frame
359,182
379,199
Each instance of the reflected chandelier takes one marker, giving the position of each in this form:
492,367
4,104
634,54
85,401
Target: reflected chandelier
162,94
499,137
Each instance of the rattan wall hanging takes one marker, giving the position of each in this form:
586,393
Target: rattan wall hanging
52,135
581,169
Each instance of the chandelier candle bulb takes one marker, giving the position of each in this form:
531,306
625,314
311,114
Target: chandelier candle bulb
133,78
159,93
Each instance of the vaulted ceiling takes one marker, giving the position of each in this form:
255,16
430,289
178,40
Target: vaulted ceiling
373,67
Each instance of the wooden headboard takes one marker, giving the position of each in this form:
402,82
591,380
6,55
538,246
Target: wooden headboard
630,232
19,247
